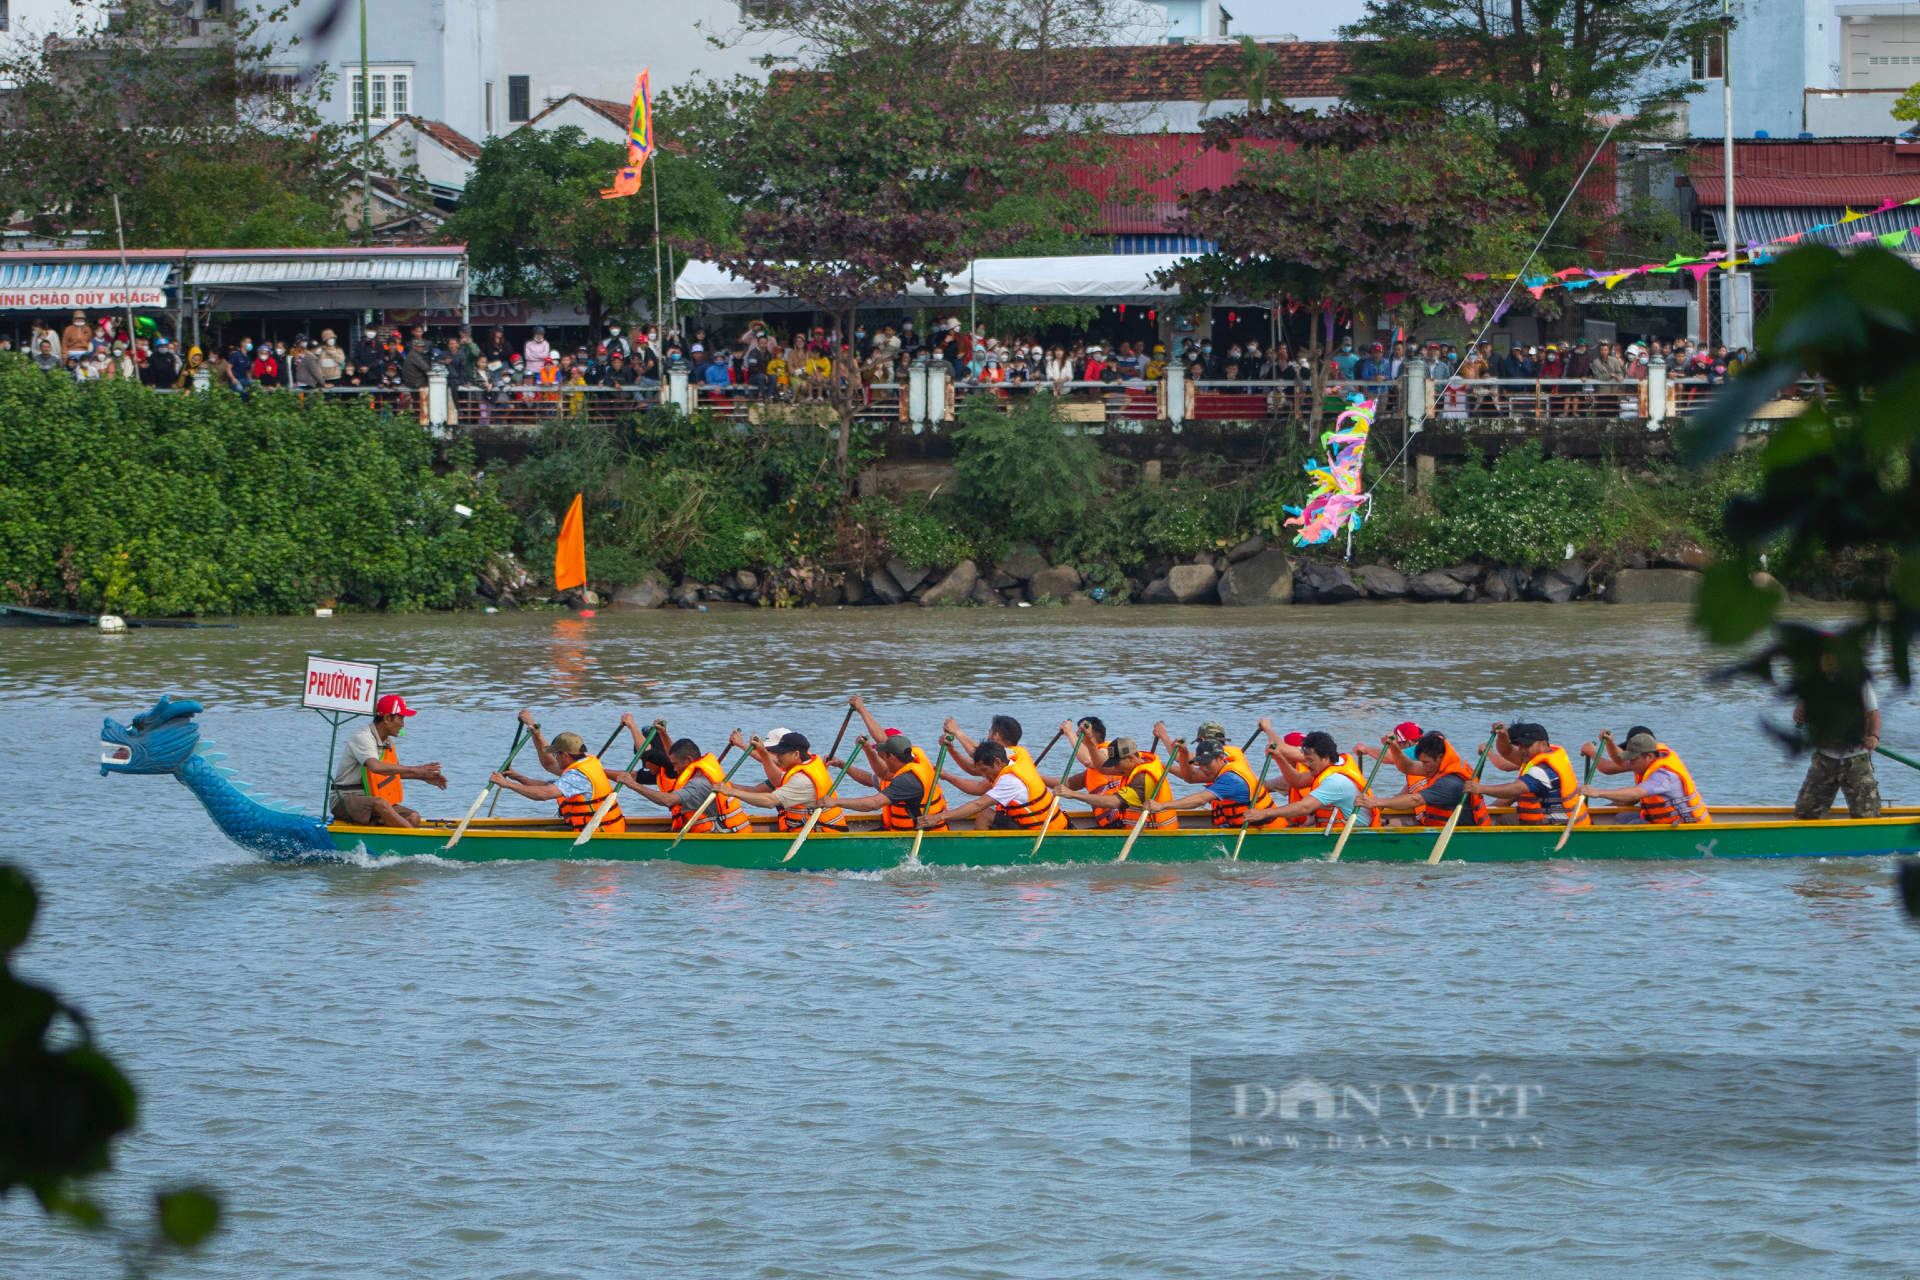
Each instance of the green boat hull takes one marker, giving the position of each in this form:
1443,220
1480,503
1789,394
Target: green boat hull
1767,836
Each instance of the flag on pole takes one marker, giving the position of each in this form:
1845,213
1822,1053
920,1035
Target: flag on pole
570,556
626,182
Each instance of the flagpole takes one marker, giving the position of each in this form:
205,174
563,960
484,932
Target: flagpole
659,283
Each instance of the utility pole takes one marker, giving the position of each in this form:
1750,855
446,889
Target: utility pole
1729,281
367,137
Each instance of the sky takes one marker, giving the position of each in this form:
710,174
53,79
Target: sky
1318,21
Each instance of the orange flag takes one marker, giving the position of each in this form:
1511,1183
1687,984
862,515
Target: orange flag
570,557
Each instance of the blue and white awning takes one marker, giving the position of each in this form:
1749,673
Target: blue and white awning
87,284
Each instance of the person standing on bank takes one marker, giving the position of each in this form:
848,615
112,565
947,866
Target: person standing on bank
1846,767
368,782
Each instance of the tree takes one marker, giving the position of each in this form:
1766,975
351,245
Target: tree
1349,207
63,1101
536,227
1545,73
839,260
203,137
1838,478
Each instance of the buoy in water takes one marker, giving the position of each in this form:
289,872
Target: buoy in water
111,624
586,613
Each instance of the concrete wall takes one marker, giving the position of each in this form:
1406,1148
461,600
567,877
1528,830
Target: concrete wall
448,47
596,47
1780,48
1864,113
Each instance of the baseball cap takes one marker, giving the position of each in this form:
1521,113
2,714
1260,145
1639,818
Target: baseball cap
1639,744
1294,739
897,744
1526,733
790,742
772,736
393,705
1407,731
1212,729
571,744
1122,747
1209,750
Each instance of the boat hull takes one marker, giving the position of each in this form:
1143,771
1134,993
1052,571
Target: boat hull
1755,834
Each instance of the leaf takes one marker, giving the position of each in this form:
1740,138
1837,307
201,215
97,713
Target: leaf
1714,431
188,1215
1730,608
18,903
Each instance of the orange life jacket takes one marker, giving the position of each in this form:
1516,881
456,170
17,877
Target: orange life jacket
1101,783
577,811
1658,809
1032,811
932,800
1529,809
1345,767
832,819
1153,786
724,810
1433,815
384,786
1231,813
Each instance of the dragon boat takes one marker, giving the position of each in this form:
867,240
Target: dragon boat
166,740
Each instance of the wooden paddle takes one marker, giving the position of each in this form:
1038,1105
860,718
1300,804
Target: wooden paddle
1266,763
599,815
1054,806
820,806
919,833
1049,747
689,824
1453,819
1140,822
1581,807
461,830
516,751
1354,817
834,750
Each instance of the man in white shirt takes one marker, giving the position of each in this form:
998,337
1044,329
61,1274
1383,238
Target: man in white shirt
367,779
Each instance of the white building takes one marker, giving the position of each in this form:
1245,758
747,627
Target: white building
1809,67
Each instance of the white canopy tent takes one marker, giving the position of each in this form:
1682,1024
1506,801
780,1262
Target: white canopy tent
1106,279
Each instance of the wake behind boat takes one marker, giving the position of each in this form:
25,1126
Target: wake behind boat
166,740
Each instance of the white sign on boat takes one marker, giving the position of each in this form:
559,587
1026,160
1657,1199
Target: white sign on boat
336,685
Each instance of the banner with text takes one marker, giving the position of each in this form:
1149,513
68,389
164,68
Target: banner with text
334,685
80,299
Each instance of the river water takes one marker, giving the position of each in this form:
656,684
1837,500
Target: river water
552,1070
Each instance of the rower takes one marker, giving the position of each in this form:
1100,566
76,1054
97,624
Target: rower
583,782
1393,748
1436,782
685,784
908,787
797,781
1333,785
1015,798
1613,761
1004,730
1104,773
1662,787
876,741
1231,790
1547,789
367,783
1181,763
1286,752
1139,776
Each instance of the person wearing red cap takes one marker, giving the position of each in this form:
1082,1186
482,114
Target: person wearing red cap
368,781
1394,747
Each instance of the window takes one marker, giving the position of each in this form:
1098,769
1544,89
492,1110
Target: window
489,115
390,96
519,99
1706,60
1893,61
399,95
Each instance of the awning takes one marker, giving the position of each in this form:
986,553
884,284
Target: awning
330,279
64,281
1107,279
1767,223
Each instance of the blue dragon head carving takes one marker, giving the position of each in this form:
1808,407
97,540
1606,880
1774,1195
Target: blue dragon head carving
160,741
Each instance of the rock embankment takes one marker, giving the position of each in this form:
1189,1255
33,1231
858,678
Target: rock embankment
1251,574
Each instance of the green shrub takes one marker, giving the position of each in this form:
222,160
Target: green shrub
1023,471
115,499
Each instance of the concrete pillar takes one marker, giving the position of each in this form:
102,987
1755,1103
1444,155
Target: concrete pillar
1423,473
1656,393
202,380
1150,474
678,392
938,392
1416,392
1176,393
437,397
917,393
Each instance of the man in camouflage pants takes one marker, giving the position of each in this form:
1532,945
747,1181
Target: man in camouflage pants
1846,768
